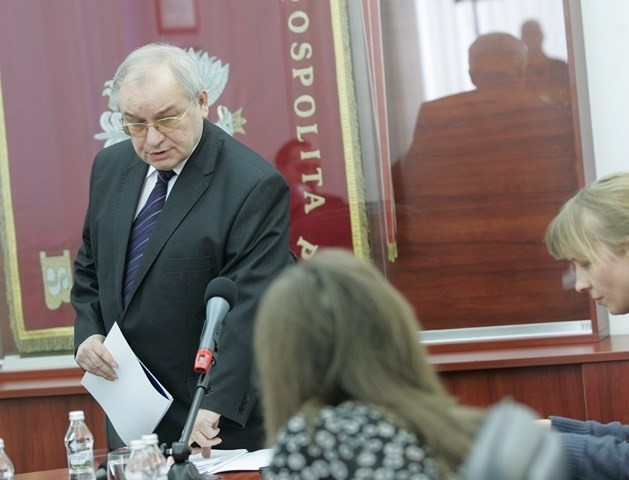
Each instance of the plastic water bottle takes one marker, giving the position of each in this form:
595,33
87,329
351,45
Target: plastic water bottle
6,467
80,447
158,461
139,465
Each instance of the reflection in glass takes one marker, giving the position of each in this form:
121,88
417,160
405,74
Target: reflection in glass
485,171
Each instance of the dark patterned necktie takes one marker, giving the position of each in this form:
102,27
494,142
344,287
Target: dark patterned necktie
141,230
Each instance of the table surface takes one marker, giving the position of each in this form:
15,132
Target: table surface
62,474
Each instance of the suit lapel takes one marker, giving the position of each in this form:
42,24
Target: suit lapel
130,186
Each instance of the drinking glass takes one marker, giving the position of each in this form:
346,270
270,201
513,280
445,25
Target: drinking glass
116,463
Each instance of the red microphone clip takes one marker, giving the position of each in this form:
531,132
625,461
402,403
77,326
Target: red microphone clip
205,358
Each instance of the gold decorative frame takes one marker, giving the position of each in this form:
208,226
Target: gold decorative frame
27,341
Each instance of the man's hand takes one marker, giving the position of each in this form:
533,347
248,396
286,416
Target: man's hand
205,431
92,356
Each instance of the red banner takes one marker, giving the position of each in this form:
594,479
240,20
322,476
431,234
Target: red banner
287,92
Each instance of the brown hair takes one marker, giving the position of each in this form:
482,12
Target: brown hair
332,329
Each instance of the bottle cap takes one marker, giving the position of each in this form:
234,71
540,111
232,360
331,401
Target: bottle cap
150,439
77,415
137,444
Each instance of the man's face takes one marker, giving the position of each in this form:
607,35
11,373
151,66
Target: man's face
158,96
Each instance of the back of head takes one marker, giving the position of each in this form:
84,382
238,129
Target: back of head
496,59
597,215
532,34
332,329
142,62
291,163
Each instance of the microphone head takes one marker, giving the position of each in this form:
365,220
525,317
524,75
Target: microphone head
222,287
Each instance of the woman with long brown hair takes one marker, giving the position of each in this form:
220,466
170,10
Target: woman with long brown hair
347,388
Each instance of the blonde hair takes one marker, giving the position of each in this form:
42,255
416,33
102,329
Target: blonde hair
596,216
332,329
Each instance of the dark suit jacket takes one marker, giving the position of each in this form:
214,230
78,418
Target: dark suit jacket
227,215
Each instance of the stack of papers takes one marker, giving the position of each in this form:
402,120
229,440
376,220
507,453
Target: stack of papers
232,460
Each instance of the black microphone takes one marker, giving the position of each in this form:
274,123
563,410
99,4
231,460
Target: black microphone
220,296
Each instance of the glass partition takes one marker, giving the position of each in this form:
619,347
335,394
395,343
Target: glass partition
485,154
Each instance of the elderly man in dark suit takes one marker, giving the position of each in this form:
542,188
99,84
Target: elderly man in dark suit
226,215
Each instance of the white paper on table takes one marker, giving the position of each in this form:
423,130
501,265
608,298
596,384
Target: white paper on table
232,460
217,459
135,402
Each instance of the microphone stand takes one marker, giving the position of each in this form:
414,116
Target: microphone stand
183,469
224,291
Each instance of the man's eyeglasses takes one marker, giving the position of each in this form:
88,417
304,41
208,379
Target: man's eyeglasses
162,125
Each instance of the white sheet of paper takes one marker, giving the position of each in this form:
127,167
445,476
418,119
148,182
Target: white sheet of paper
252,461
232,460
217,459
133,404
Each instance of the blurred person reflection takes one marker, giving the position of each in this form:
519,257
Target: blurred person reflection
317,214
547,77
474,192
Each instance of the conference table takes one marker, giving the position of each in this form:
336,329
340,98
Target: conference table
62,474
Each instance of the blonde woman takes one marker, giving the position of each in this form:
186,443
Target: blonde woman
592,231
347,388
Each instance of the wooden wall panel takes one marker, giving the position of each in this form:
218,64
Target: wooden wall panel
606,391
584,381
34,408
548,390
34,428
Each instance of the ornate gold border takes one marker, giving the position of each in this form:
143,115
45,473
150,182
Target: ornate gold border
27,341
349,128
